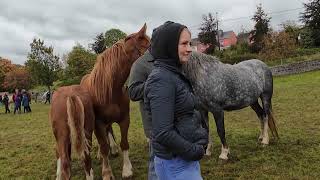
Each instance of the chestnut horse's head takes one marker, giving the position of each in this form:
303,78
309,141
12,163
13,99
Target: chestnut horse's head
137,43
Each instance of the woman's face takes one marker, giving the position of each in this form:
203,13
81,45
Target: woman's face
184,48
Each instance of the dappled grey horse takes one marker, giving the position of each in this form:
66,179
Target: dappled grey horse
220,87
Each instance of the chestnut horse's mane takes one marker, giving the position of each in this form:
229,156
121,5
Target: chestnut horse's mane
107,66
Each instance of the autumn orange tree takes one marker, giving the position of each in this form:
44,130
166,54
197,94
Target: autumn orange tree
5,67
19,78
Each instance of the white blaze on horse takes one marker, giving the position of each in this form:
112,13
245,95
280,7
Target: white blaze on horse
220,87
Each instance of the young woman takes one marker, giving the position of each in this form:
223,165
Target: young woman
178,140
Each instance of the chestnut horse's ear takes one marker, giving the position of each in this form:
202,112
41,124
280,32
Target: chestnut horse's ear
143,30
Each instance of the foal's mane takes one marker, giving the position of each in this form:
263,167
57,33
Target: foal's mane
107,66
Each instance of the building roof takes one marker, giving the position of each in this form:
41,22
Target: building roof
225,35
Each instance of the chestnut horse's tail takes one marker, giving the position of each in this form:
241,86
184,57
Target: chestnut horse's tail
75,110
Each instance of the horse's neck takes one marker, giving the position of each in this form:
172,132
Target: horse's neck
119,76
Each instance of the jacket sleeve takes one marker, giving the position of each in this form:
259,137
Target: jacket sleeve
136,91
162,104
137,79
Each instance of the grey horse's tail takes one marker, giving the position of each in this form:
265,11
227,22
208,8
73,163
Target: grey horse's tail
272,125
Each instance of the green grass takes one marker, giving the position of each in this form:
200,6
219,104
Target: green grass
27,143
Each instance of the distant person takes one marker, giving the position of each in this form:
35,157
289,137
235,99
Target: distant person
36,97
0,99
25,103
29,96
47,97
5,101
17,104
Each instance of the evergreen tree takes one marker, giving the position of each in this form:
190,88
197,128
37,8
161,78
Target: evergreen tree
311,18
261,28
99,44
208,32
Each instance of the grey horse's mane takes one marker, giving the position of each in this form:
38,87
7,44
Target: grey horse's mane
199,60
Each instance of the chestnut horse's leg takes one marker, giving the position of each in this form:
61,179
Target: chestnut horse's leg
124,126
113,144
64,157
102,137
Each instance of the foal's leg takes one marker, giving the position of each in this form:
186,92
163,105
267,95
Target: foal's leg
219,119
64,158
260,113
101,134
127,167
87,159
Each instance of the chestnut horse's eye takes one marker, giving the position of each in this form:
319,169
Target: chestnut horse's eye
127,38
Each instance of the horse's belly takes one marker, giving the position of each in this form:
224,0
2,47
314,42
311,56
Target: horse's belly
110,113
239,103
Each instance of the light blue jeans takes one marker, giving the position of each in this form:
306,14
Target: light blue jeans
151,172
177,169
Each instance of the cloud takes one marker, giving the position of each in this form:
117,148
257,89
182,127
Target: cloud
62,24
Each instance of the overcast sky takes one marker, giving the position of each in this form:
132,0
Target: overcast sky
62,24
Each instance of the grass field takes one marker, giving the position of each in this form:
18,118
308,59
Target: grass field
27,143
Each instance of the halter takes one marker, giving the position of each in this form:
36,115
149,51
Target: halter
137,49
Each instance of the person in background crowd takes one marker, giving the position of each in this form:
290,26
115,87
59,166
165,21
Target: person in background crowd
25,102
17,102
6,102
47,97
0,99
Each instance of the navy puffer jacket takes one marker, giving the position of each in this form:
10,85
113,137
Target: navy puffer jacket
176,125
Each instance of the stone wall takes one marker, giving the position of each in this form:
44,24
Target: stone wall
295,68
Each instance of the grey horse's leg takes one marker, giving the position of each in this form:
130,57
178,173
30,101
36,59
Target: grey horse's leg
266,104
219,119
260,113
205,124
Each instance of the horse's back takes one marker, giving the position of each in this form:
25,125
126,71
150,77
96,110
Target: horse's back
58,109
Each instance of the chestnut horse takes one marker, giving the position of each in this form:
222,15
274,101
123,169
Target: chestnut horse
78,110
110,100
72,119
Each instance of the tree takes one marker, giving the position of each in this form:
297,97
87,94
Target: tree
208,33
292,29
42,64
278,45
2,76
261,28
5,67
311,18
99,44
80,62
306,38
112,36
18,78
